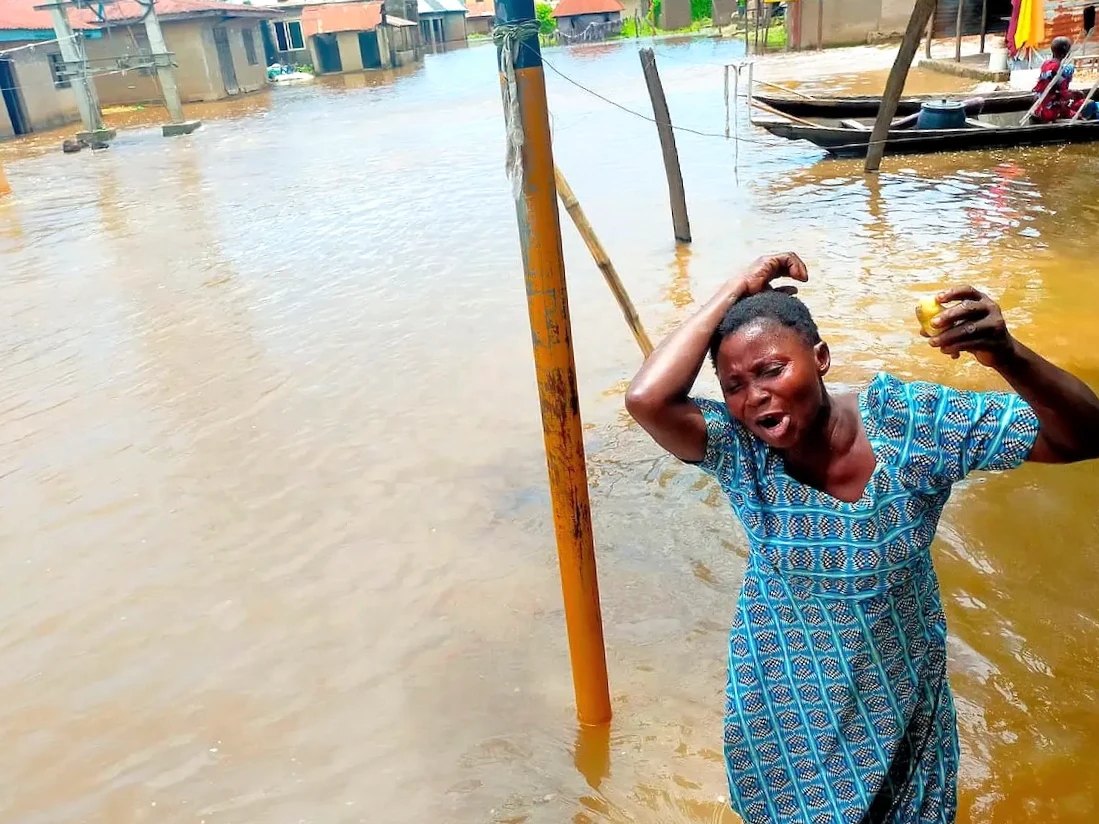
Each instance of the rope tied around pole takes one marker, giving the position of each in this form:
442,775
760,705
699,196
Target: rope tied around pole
509,38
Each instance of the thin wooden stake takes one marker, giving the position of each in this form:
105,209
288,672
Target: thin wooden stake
820,25
930,31
580,220
958,33
984,23
680,225
895,84
767,29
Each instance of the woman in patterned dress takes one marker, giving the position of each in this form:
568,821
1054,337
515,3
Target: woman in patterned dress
838,707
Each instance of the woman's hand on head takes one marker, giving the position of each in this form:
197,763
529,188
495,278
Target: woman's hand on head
758,276
973,324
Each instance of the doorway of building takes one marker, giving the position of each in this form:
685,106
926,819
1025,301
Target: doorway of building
13,101
225,58
328,54
368,48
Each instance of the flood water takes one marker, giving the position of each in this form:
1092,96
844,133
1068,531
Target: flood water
276,543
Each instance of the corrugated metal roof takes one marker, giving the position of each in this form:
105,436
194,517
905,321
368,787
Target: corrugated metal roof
167,9
21,14
336,17
440,6
571,8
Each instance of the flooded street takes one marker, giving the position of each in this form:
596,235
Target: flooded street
276,542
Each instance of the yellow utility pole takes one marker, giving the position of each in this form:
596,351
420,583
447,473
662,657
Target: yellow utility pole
531,166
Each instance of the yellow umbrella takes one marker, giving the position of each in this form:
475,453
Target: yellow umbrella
1031,29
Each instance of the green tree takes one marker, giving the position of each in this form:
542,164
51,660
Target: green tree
544,13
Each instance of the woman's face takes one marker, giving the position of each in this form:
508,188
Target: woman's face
771,378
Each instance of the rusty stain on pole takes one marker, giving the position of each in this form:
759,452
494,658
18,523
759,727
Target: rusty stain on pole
555,367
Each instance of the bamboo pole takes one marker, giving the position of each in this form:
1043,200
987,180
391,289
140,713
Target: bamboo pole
786,89
895,84
580,220
767,107
680,224
554,363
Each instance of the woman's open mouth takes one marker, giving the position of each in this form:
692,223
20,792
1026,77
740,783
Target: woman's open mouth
773,425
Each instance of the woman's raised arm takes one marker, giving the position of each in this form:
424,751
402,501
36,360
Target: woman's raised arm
1067,410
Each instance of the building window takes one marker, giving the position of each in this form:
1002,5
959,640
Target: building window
250,47
288,35
57,69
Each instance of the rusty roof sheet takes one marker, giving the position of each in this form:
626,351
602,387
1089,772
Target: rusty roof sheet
327,18
480,8
571,8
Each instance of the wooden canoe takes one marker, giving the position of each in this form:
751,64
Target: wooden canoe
851,138
840,107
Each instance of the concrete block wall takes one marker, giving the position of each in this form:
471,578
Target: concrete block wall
45,106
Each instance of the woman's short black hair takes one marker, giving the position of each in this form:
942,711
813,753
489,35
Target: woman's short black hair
776,306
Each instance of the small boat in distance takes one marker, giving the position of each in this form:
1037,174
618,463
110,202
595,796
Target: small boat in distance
850,137
867,106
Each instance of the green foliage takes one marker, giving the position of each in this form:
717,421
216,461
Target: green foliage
700,15
544,13
776,37
629,28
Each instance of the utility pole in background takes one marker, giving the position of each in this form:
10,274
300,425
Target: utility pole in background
166,73
76,66
82,76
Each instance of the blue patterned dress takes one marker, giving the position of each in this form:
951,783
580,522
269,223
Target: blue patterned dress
838,706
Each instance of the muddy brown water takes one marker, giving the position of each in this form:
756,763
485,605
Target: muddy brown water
276,541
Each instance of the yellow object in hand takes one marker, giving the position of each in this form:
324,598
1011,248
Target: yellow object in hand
926,309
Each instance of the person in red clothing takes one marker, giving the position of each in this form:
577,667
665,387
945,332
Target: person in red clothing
1062,102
